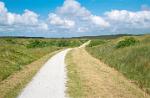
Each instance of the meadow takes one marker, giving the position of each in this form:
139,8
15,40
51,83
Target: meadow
130,55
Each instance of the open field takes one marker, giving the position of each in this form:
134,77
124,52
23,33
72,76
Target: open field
129,55
17,55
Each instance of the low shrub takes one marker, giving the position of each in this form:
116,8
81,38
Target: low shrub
96,42
9,40
127,42
36,43
56,43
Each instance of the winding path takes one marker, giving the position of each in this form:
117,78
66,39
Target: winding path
50,81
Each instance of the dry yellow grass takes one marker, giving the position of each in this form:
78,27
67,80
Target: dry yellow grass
10,87
91,78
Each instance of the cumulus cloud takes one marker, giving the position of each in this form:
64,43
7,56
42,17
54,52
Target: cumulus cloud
14,22
75,18
128,19
72,9
78,19
54,19
99,21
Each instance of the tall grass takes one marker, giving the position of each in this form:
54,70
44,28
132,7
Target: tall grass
132,60
15,53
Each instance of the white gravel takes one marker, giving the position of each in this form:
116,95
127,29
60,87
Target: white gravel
50,81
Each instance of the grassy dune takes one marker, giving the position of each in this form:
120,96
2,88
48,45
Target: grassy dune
16,54
11,87
131,59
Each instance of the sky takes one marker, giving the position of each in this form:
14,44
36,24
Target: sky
70,18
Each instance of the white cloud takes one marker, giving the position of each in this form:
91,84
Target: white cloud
58,21
73,17
73,8
76,18
81,29
128,19
43,26
14,22
99,21
27,18
10,18
2,8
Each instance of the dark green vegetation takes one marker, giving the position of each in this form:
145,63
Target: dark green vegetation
15,53
127,42
129,55
96,42
56,43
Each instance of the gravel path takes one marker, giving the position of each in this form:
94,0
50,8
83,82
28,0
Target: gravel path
50,81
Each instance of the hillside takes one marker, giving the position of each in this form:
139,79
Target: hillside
21,58
129,55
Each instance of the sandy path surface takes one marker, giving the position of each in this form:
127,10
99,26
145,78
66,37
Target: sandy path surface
50,81
85,44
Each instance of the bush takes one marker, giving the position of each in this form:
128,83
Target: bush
96,42
11,41
56,43
127,42
36,43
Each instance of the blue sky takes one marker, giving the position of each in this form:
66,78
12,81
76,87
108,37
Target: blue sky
60,18
43,7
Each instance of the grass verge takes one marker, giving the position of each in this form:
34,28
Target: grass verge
74,83
11,87
133,61
90,78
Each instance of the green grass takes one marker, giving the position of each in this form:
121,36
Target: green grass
15,53
75,89
132,60
20,60
96,42
14,57
12,86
